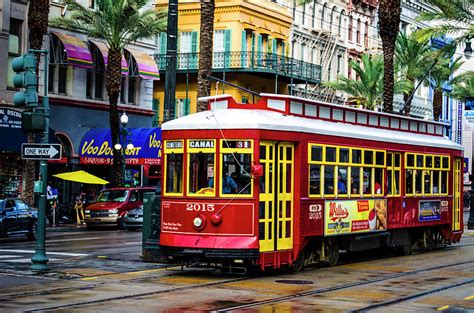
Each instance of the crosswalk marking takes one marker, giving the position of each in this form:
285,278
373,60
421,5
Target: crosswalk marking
48,252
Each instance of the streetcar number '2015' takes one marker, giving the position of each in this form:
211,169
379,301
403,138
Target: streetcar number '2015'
200,207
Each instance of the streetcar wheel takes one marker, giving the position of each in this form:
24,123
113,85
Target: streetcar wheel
405,249
298,264
331,251
428,241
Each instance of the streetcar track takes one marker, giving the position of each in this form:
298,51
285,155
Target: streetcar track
413,296
244,306
340,287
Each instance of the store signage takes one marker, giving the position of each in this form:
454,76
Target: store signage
10,118
45,151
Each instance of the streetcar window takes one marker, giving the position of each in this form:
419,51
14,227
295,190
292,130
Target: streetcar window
409,182
355,180
174,173
396,183
389,182
444,182
201,173
436,182
437,162
329,179
342,180
445,162
236,173
343,155
418,182
356,156
315,179
316,153
397,160
368,157
427,182
330,154
379,158
367,185
419,161
410,160
389,159
378,179
428,161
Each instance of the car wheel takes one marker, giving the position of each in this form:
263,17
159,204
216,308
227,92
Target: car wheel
32,230
122,224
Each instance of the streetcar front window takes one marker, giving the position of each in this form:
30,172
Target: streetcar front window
174,173
201,173
236,173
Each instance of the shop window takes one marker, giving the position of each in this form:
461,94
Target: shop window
174,173
315,179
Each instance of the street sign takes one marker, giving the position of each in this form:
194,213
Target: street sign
41,151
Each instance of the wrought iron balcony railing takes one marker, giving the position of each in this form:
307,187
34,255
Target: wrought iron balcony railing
250,62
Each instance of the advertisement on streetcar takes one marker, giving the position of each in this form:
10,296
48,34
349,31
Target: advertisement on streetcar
429,210
354,216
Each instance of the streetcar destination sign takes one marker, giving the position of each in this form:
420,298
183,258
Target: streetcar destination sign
41,151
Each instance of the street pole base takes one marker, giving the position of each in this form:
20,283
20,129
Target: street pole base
39,262
470,225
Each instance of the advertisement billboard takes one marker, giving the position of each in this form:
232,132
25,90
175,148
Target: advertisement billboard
354,216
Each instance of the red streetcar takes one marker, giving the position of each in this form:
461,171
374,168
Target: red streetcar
288,182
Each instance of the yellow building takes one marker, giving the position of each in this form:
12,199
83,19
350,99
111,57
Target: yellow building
250,48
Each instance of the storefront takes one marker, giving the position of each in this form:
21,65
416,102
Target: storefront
143,161
11,164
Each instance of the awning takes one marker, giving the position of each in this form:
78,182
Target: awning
147,68
105,52
77,52
96,147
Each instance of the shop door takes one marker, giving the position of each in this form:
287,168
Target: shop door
276,196
457,195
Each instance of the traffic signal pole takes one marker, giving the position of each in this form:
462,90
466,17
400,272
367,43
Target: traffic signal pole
39,259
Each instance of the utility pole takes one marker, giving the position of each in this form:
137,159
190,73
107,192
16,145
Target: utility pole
171,46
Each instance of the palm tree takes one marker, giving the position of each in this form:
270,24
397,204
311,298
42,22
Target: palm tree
118,23
463,87
451,17
440,76
367,89
205,55
412,59
38,13
389,21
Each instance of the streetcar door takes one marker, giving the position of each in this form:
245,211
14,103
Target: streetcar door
457,195
276,196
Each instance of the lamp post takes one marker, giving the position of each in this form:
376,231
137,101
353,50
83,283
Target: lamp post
121,145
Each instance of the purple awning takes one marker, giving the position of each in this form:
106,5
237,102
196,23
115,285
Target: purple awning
77,52
147,67
105,52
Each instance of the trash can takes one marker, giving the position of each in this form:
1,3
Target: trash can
151,227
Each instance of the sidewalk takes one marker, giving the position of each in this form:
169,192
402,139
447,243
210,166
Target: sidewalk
65,228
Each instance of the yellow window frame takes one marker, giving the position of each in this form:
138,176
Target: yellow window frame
206,191
224,149
431,169
168,149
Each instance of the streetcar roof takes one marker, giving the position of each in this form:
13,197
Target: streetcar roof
276,121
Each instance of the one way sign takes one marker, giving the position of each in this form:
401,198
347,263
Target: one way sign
41,151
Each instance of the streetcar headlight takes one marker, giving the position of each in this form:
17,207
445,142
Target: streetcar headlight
198,222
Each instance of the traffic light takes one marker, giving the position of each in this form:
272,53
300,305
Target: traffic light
25,77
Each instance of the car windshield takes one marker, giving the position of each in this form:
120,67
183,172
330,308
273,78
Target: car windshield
113,195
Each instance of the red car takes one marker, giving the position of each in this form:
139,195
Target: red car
112,205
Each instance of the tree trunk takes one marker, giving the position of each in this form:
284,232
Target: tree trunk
437,103
389,21
407,100
113,90
205,59
38,13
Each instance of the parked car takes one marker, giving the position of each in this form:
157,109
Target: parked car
17,218
112,204
133,219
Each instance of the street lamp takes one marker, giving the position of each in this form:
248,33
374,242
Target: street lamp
468,49
121,145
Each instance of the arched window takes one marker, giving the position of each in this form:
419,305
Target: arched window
341,16
349,37
366,34
323,12
333,15
58,67
95,79
129,91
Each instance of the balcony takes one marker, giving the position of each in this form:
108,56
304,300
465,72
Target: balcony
266,64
